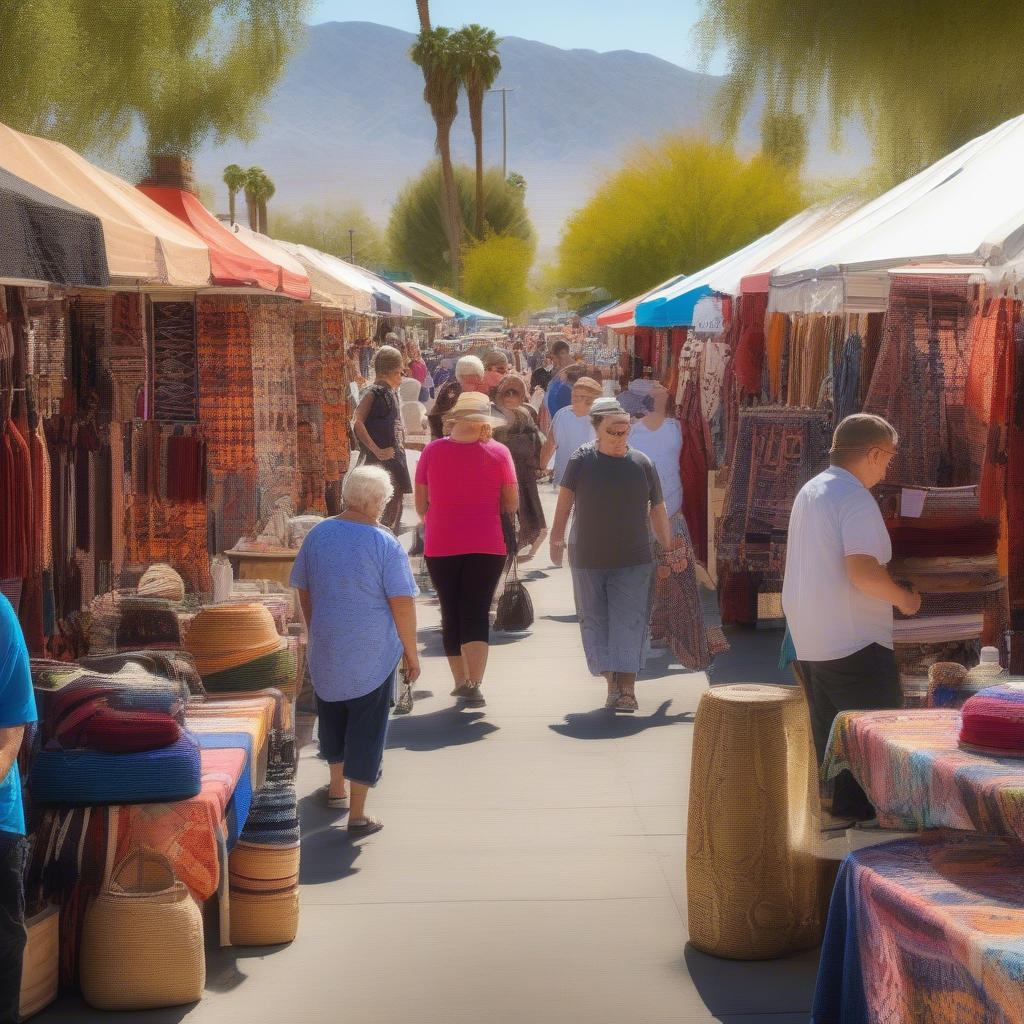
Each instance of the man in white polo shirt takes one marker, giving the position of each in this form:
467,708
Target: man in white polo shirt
838,595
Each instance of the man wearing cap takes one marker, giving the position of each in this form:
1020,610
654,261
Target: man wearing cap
838,595
571,427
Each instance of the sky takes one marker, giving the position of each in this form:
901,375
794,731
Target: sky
661,27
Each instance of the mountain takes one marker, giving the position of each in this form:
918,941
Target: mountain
348,122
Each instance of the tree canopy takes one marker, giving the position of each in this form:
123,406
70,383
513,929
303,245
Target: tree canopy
672,209
325,226
86,72
925,76
496,272
415,232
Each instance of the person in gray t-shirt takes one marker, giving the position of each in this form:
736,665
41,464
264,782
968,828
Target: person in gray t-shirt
617,498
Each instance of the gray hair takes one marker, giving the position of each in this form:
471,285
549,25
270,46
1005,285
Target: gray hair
367,489
496,356
469,366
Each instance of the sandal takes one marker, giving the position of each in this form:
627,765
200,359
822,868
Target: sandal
364,827
627,703
612,699
462,690
472,697
335,803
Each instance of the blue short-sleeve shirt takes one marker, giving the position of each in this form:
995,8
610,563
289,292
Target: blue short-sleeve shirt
17,707
351,571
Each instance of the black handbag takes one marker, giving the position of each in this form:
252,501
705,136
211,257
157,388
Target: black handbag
515,606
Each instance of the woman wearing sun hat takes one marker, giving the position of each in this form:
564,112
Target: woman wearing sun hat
464,483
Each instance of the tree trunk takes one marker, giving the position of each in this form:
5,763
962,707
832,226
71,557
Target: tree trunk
263,217
251,210
170,170
476,120
231,205
453,218
423,10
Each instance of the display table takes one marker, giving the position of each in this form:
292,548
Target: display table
262,565
912,770
929,929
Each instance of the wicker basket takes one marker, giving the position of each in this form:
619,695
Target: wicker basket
39,970
255,862
142,941
264,920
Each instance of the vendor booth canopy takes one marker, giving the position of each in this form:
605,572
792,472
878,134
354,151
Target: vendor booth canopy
459,309
331,285
233,264
144,243
396,301
966,208
746,269
590,320
46,240
294,279
432,304
622,316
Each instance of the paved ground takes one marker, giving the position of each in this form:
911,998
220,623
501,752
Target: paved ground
531,868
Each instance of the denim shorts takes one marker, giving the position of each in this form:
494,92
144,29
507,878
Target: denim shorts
355,731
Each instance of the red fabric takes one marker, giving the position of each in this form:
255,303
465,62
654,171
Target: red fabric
16,503
232,262
694,462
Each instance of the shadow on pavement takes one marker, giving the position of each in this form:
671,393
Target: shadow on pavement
604,724
731,988
561,618
449,727
752,657
328,855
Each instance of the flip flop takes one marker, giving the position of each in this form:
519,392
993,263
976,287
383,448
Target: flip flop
335,803
366,827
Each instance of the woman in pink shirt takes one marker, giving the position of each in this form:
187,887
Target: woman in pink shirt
464,482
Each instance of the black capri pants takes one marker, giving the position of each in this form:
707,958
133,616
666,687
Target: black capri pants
465,586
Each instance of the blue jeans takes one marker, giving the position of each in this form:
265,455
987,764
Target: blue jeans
614,609
13,856
355,731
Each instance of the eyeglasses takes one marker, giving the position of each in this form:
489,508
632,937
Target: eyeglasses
618,433
884,451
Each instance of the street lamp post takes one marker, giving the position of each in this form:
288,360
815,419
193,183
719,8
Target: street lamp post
351,247
504,130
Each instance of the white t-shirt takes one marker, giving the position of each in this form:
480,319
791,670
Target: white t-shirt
834,516
570,432
663,447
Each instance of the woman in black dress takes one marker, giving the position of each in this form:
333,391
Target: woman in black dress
378,426
522,437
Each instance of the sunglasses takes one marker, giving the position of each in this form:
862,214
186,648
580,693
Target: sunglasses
618,433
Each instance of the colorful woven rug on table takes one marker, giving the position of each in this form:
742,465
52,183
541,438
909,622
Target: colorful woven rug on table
917,776
926,929
920,377
309,400
777,451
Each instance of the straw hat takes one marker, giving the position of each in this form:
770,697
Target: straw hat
224,636
473,407
588,384
607,407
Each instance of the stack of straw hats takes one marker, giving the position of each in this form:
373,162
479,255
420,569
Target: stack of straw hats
160,580
237,647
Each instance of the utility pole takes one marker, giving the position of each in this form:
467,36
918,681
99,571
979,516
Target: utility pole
351,248
504,130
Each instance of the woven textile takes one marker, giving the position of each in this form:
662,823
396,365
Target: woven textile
926,930
754,888
920,376
274,815
913,771
272,322
176,666
126,621
47,351
695,459
309,399
16,501
161,581
993,721
172,532
175,372
777,451
338,331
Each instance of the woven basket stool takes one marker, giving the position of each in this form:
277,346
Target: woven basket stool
755,888
264,919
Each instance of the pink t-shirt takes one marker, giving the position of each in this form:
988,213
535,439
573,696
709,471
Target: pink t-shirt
464,484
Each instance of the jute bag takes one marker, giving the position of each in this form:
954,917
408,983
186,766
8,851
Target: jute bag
142,941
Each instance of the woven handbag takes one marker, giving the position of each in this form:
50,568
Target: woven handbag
515,606
39,968
142,941
403,705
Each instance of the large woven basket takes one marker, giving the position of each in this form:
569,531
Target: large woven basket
224,636
253,863
142,941
40,967
264,920
755,888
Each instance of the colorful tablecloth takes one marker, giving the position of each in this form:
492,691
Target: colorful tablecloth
917,777
929,929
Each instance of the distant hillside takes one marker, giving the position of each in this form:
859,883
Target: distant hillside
348,121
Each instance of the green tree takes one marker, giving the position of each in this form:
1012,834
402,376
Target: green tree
415,229
784,138
672,209
496,274
479,66
234,178
259,190
924,76
516,181
326,226
437,56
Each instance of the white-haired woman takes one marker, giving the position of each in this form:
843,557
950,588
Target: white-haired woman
358,598
378,426
616,499
469,377
464,482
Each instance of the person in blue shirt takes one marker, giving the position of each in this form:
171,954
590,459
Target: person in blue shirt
358,598
17,709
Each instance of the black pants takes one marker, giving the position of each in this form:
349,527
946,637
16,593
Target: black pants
13,852
867,680
465,586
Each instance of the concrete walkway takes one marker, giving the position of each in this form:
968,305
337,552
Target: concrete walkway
531,868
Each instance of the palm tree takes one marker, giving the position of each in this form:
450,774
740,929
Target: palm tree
234,178
258,189
267,190
479,65
437,56
423,10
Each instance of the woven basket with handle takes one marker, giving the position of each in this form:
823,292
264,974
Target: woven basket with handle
142,941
